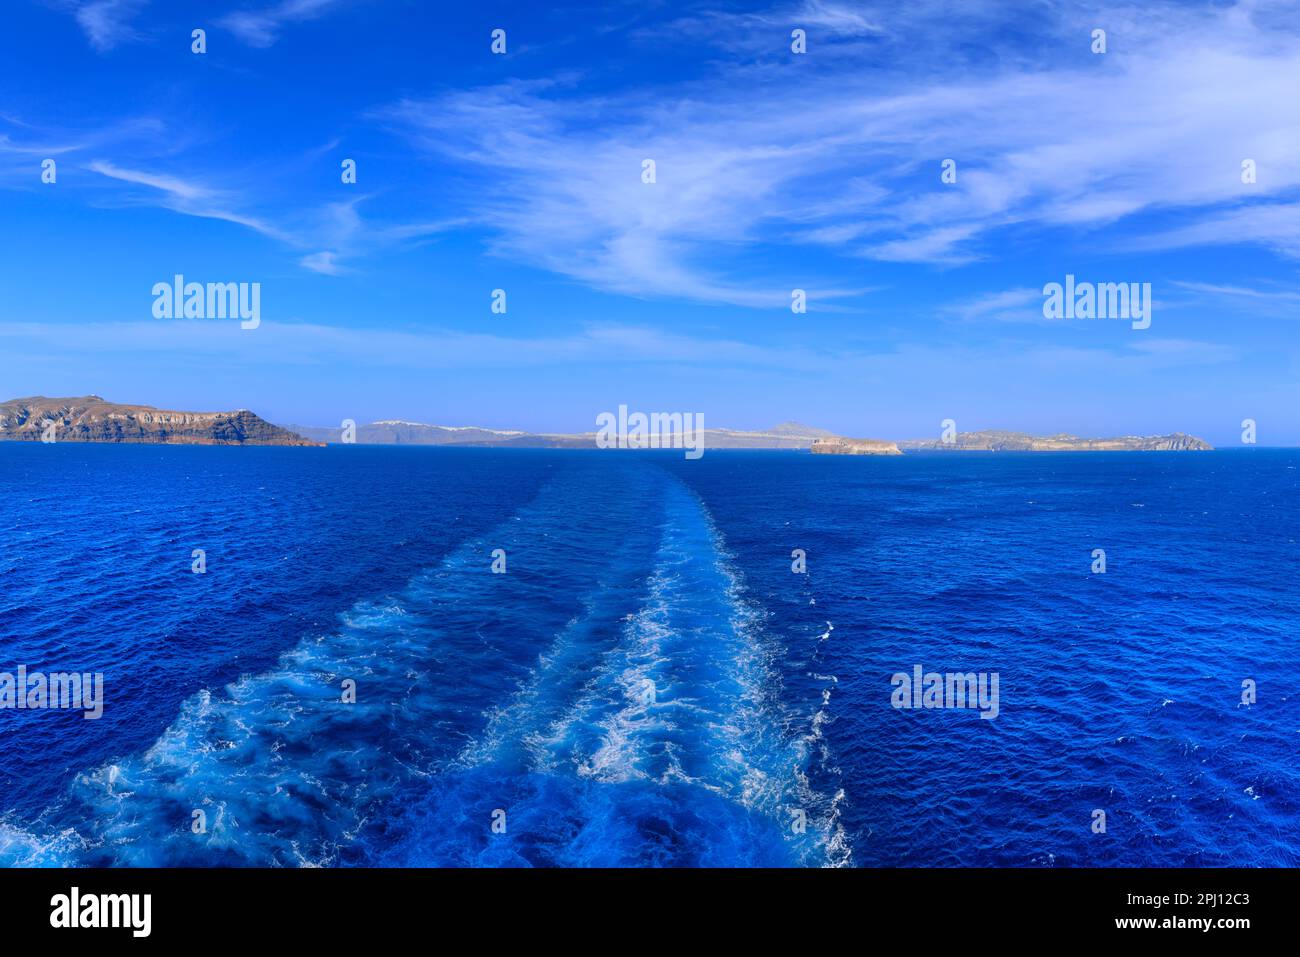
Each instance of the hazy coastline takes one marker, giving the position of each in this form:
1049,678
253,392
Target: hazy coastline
94,419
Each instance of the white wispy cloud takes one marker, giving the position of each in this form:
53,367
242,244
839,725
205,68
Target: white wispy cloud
106,23
751,31
760,154
189,197
22,143
755,157
324,262
842,19
1248,302
261,27
31,149
1010,305
1274,225
1241,292
334,231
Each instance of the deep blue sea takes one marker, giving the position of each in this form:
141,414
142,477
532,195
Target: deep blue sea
649,683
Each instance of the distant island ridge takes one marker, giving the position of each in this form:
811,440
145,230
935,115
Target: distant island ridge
787,435
94,419
993,440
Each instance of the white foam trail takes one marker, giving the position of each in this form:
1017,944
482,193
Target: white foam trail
715,719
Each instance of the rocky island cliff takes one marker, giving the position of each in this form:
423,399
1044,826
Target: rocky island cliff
92,419
992,440
841,446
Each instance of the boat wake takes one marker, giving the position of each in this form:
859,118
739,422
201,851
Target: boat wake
612,699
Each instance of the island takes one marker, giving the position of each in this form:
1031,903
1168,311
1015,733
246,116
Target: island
787,435
841,446
92,419
993,440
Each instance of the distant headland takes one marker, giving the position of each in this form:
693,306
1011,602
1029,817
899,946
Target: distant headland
992,440
93,419
842,446
999,441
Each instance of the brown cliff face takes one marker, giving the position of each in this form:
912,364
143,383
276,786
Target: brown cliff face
91,419
839,446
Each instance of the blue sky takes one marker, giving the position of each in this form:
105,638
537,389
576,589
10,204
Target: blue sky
775,171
